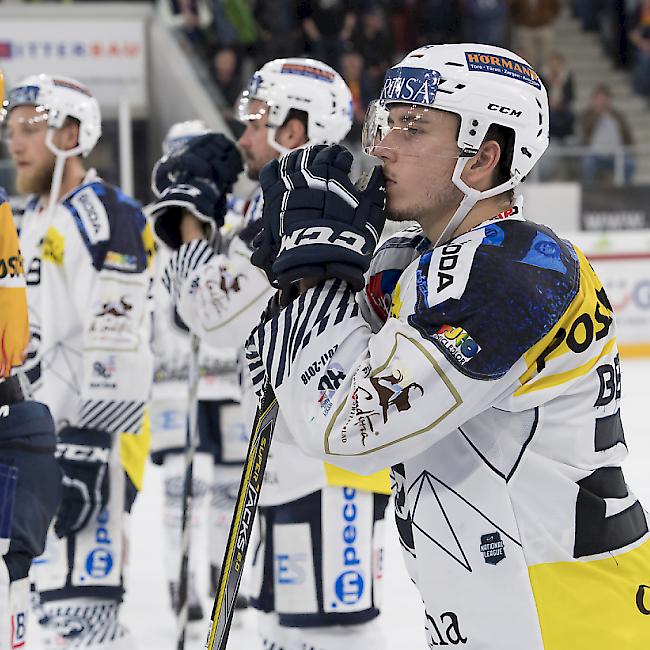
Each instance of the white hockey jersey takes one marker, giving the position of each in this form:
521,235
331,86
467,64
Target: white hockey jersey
86,265
492,389
220,296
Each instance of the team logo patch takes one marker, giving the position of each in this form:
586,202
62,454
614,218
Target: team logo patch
459,343
492,548
328,385
308,71
416,85
504,66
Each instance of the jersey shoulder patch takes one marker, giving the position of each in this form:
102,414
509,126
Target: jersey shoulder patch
521,280
111,225
387,265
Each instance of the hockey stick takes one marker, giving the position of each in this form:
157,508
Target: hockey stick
242,522
191,443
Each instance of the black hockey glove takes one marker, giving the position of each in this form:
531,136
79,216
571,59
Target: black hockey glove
321,225
83,455
195,177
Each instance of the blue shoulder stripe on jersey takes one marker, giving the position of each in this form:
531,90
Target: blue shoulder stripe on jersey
4,198
523,279
116,243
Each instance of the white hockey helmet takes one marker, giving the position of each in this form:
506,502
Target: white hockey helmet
57,98
483,85
302,84
181,132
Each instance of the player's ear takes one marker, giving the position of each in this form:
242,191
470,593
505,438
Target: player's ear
67,136
292,134
479,170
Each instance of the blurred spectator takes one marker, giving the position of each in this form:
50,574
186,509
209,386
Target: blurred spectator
372,40
278,30
328,25
352,70
559,85
233,22
187,13
437,21
485,21
587,12
533,27
225,72
606,132
402,25
639,37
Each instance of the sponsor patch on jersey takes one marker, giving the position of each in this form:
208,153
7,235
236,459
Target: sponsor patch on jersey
308,71
120,261
504,66
415,85
53,246
458,342
93,215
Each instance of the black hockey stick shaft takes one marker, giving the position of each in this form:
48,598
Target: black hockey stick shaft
242,522
191,442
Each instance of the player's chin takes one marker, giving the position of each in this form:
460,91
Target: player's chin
397,210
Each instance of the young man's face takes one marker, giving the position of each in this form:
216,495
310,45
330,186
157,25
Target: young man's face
419,154
25,134
254,141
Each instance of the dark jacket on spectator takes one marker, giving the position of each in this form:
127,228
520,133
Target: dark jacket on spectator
590,119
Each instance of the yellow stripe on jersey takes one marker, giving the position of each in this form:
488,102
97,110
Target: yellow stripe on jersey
563,377
587,320
134,449
378,482
596,605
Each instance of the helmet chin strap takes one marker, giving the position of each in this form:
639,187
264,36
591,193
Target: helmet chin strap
59,166
471,198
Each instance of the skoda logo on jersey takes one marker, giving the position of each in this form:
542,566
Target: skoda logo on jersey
99,563
415,85
349,584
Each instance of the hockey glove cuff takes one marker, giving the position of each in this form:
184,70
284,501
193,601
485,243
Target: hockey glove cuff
200,196
83,455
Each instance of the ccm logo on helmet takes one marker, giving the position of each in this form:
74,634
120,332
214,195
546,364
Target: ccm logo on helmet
506,110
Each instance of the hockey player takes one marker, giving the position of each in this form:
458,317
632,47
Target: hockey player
86,251
30,478
480,361
318,566
222,435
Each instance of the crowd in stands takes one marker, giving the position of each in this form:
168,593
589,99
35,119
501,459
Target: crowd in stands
361,38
